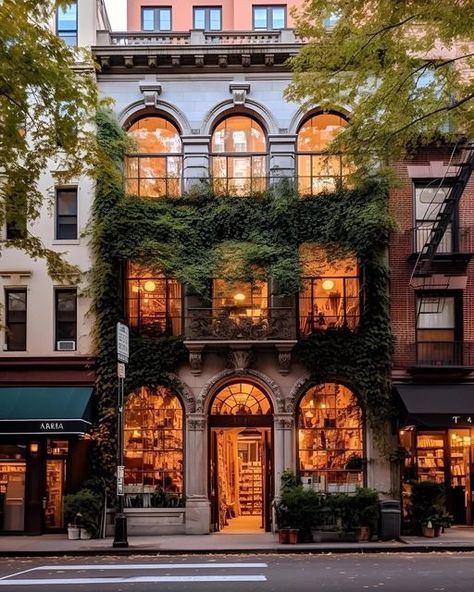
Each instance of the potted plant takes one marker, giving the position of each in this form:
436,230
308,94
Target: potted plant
82,510
428,506
363,506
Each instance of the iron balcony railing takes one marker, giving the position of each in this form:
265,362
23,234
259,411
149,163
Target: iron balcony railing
461,241
441,353
255,325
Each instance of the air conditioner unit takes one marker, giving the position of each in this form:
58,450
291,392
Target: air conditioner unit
66,346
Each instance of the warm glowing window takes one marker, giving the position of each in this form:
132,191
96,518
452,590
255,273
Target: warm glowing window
155,169
330,291
239,159
154,303
153,447
240,299
241,398
319,172
330,438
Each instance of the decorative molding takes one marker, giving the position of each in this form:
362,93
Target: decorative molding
195,361
199,60
174,382
269,59
176,61
284,359
240,359
151,91
284,421
128,61
104,62
196,422
175,114
222,60
239,91
252,107
246,60
301,384
152,61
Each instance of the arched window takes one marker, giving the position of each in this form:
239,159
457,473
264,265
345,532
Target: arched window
155,169
241,398
239,156
330,438
330,291
154,302
318,172
153,444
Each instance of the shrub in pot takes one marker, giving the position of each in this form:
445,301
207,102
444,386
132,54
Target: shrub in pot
83,509
427,503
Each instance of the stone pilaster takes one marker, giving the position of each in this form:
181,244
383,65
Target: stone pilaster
197,502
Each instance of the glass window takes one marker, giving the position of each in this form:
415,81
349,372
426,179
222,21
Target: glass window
330,291
154,302
15,320
330,438
208,18
436,330
266,18
239,162
429,203
67,24
155,170
319,172
241,398
66,213
16,217
66,319
156,18
240,299
153,443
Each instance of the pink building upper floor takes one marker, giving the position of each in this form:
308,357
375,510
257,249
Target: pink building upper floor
234,15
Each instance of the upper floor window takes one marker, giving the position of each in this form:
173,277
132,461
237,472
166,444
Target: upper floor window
319,172
15,320
155,170
330,292
239,156
267,18
66,319
156,18
207,17
240,299
154,303
66,213
429,203
67,23
16,217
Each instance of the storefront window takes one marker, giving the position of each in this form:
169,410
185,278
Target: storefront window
330,438
153,448
12,487
241,398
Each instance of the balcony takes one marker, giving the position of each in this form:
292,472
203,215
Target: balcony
444,355
452,242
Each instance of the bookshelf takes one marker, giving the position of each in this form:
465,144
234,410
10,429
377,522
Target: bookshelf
430,455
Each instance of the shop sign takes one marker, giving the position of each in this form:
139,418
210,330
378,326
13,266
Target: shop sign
120,479
123,341
462,419
51,425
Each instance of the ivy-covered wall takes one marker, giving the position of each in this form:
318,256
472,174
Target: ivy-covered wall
200,236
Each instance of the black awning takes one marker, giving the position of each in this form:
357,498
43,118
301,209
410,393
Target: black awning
45,410
438,405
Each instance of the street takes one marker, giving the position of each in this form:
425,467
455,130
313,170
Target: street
446,572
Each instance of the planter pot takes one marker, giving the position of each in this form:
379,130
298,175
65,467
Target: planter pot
293,536
73,533
284,536
85,534
437,531
362,534
428,531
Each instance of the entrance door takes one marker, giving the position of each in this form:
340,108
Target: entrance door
12,496
460,462
55,477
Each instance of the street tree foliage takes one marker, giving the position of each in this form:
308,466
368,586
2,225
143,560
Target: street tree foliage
48,99
404,71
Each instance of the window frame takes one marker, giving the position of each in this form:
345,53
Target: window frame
269,10
157,10
9,322
61,32
207,17
57,321
58,216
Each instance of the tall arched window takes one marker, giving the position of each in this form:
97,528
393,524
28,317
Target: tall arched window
155,169
239,156
318,172
153,443
330,438
241,398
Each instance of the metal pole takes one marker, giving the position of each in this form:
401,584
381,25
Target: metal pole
120,539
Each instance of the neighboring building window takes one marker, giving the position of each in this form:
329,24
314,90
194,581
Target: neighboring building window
438,329
66,319
267,18
153,438
66,214
319,172
330,292
239,156
154,303
15,320
429,203
155,170
240,299
208,18
67,24
330,438
16,223
156,18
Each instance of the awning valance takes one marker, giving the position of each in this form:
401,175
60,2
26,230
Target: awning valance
45,410
438,405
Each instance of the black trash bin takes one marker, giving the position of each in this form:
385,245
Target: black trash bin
390,519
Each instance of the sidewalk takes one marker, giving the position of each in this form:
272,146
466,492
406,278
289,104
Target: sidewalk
454,539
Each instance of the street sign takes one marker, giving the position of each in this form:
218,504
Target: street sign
120,478
120,370
123,348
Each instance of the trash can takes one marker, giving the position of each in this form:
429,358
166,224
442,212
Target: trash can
390,519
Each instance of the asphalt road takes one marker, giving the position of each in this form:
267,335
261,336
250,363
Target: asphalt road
446,572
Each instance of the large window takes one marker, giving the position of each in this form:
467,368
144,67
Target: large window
438,329
66,319
155,169
240,299
67,24
330,292
156,18
207,17
239,159
66,213
154,303
267,18
429,203
15,320
319,172
330,438
153,448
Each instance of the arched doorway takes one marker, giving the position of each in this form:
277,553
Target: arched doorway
241,461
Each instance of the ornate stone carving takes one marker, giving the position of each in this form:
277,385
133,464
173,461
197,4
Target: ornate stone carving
105,62
128,61
300,385
152,61
269,59
284,422
176,61
246,60
175,383
195,361
199,61
197,422
284,360
239,92
151,91
240,359
222,60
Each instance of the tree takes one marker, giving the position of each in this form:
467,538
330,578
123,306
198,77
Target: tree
403,69
48,99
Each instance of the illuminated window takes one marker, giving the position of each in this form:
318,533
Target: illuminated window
154,303
153,440
239,159
330,438
318,172
155,170
240,299
330,292
241,398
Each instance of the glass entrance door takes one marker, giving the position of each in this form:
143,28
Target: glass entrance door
460,462
12,496
55,476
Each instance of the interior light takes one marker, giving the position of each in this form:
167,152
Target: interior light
323,405
239,297
149,286
34,447
328,285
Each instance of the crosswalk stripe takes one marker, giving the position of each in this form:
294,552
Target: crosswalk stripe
134,580
145,566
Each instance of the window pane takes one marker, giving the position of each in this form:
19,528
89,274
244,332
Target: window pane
155,135
67,18
435,313
260,18
165,19
148,19
65,315
278,17
429,201
215,19
199,18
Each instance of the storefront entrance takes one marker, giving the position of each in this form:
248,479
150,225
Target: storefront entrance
12,492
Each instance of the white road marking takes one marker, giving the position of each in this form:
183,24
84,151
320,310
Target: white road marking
134,580
145,566
19,573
